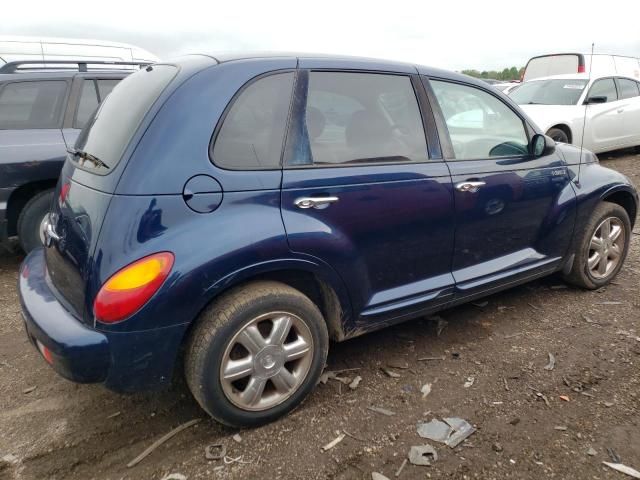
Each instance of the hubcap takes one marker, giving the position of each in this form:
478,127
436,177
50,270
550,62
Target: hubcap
606,248
41,228
266,361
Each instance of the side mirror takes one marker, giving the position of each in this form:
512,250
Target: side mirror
596,99
541,145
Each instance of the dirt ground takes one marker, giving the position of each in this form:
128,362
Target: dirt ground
525,430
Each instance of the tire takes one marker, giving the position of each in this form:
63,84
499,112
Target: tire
581,274
31,218
558,135
218,340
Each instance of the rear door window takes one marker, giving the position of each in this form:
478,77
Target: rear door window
356,118
252,132
37,104
628,88
605,87
105,87
109,131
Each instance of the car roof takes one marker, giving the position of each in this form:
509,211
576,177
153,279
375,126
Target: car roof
358,61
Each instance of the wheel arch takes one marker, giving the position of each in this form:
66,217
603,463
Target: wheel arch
625,198
19,198
565,128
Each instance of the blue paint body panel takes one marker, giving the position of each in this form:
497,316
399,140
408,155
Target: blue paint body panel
400,241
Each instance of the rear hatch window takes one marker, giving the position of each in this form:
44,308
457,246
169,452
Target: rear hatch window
552,65
104,139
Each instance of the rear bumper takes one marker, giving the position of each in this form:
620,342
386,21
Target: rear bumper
78,352
124,362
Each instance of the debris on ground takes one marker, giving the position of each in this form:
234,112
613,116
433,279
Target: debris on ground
9,458
237,438
480,304
216,451
442,324
382,411
592,452
329,375
552,362
470,381
422,455
356,381
390,373
378,476
398,363
113,415
497,447
353,436
632,472
565,398
162,440
560,428
506,385
174,476
425,390
540,395
514,421
399,471
333,442
533,306
609,404
29,389
452,432
429,359
615,458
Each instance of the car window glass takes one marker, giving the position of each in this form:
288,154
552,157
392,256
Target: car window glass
549,92
604,88
105,87
362,118
252,134
479,124
628,88
87,103
32,104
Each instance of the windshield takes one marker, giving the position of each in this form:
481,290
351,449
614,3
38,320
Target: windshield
549,92
105,137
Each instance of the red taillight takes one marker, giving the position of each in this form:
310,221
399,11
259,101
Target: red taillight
64,191
581,69
130,288
46,353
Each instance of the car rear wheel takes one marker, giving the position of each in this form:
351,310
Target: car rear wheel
602,247
31,220
558,135
256,353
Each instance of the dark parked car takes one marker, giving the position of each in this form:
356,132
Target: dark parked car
43,106
233,214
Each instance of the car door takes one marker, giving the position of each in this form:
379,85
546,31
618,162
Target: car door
512,216
364,194
629,92
605,125
87,94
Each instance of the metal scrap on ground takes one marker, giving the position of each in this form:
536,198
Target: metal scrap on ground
333,442
552,362
422,455
383,411
356,381
452,433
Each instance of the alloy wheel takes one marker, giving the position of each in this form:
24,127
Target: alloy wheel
266,361
606,248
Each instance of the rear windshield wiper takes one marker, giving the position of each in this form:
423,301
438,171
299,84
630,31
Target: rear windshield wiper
88,157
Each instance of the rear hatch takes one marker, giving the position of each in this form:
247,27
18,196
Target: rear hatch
87,182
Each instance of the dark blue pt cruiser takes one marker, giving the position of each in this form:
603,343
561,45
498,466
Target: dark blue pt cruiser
230,215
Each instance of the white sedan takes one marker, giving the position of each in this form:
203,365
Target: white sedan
559,105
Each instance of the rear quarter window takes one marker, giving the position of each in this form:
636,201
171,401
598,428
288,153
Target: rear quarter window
111,128
34,104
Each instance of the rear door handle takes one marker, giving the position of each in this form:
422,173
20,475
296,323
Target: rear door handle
315,202
471,187
620,110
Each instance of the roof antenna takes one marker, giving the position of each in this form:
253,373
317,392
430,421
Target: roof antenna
584,119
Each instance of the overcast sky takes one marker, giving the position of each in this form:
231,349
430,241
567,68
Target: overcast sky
450,34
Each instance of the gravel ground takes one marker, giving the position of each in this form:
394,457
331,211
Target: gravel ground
530,422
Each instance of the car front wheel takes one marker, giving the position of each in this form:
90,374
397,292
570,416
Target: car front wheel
601,248
256,353
558,135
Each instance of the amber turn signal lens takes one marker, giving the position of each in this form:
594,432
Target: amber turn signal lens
131,287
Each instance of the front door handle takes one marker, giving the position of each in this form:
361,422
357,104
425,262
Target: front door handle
471,187
314,202
620,110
